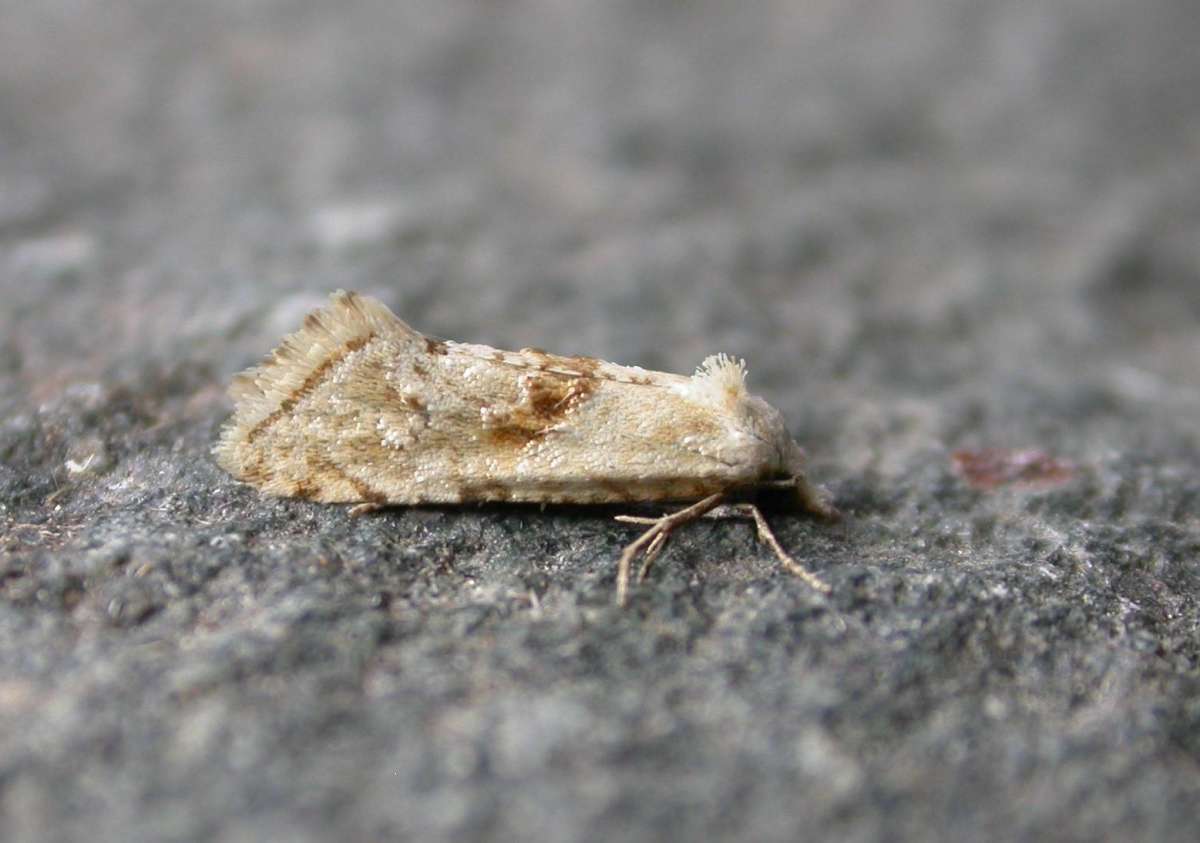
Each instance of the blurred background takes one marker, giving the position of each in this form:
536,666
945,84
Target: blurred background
817,186
932,227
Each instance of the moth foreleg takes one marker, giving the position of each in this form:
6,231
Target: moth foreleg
652,540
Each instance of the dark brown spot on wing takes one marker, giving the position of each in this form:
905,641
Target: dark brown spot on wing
514,436
413,403
546,398
549,397
433,346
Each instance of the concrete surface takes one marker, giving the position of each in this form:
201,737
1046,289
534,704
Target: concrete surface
958,244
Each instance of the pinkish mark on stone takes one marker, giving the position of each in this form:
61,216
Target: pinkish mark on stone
989,468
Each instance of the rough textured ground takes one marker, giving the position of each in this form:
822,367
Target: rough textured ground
931,227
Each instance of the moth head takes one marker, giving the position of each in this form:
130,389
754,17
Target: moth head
756,437
781,457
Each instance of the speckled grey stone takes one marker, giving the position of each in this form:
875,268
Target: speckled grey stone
931,226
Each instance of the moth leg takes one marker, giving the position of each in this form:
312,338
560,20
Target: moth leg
650,541
635,519
651,554
361,509
767,537
655,547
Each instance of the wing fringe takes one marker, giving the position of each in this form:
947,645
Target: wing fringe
260,393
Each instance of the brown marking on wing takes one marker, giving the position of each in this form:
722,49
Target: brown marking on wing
310,383
699,425
414,403
365,491
257,471
514,436
581,366
437,347
546,399
362,488
552,396
305,489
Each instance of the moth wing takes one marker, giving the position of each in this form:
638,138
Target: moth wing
358,406
283,434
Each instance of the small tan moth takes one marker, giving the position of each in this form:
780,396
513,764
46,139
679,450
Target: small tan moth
357,407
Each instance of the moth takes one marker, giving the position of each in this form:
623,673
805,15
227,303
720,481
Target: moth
357,407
